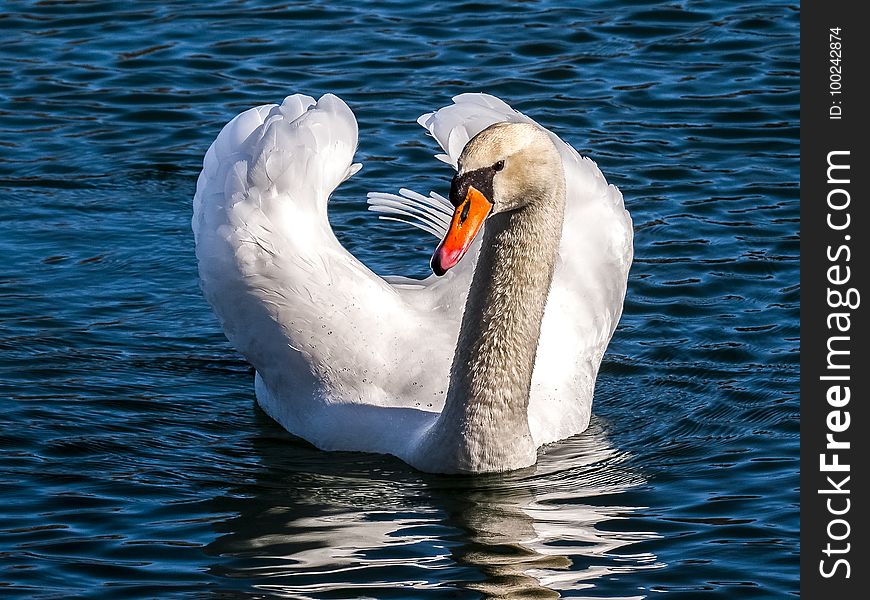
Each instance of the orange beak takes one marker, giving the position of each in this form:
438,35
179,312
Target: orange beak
467,220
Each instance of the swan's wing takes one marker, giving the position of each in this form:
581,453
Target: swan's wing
310,317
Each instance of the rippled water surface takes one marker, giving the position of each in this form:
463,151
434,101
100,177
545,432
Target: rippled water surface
133,461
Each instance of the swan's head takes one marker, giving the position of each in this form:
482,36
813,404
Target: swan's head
505,167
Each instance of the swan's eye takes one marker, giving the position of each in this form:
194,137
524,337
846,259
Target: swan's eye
498,166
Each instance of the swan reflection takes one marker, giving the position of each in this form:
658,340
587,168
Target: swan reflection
315,523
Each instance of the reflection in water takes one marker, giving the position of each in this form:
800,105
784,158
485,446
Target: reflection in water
312,523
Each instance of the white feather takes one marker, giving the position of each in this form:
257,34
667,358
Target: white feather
431,214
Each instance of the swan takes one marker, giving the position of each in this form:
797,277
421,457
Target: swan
470,370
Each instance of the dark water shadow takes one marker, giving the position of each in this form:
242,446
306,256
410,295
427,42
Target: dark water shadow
318,524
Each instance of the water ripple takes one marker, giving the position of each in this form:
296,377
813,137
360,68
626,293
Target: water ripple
134,461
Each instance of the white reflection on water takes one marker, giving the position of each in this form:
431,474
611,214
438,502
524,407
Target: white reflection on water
319,522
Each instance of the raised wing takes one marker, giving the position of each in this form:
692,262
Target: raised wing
309,316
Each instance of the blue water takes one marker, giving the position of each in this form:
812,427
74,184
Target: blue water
133,460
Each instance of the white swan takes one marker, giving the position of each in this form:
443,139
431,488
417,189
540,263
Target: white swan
351,361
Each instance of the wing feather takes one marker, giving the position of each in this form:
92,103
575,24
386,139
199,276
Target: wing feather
271,266
430,213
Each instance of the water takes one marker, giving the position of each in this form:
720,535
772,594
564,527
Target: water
134,462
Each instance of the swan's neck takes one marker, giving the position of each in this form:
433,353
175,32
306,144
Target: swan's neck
484,425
